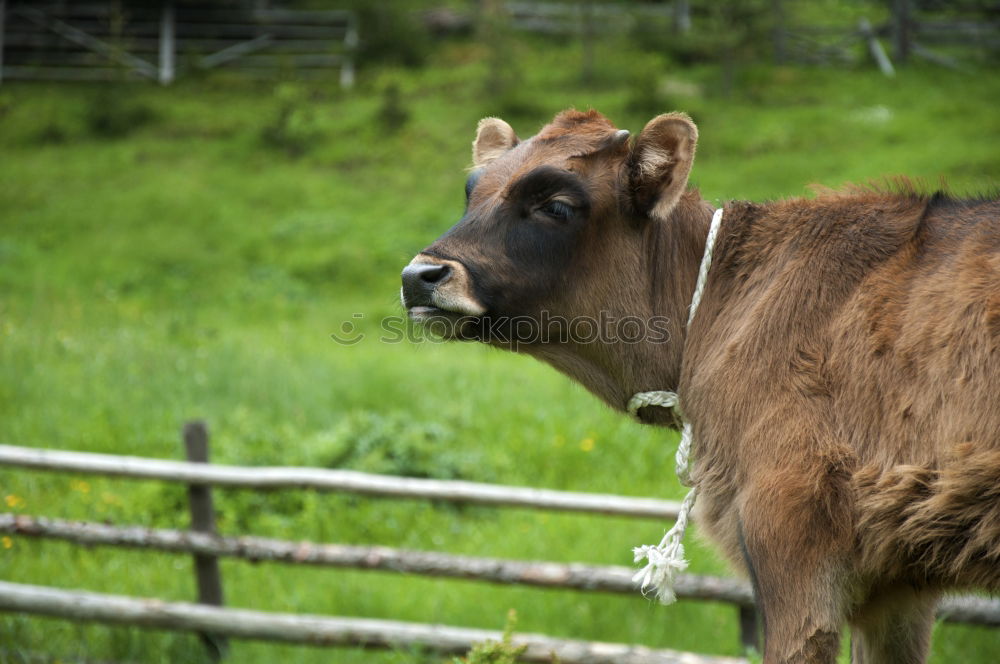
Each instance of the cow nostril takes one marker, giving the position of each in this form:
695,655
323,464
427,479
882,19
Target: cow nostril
433,273
420,280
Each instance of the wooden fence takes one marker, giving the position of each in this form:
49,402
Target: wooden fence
919,28
567,18
156,41
216,624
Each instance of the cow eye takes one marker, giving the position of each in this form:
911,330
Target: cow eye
557,209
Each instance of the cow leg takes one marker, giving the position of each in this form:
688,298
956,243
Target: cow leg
801,612
794,547
894,628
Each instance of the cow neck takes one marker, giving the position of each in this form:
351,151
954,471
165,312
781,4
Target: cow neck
664,398
666,559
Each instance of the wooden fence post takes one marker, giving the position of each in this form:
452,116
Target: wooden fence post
779,32
206,567
351,48
902,29
167,47
3,12
682,16
749,628
875,48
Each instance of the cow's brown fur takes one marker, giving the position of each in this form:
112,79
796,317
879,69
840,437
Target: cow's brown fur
842,375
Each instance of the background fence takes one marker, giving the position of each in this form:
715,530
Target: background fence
215,623
158,41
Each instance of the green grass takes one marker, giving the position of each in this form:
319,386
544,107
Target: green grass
192,269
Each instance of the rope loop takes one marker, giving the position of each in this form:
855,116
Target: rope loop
642,399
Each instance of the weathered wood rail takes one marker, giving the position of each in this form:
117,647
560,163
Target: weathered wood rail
544,574
320,630
575,576
289,477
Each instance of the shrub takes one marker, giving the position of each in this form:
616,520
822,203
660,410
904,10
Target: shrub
494,652
392,115
391,444
294,128
391,33
114,112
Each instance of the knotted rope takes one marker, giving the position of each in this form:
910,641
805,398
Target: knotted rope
666,559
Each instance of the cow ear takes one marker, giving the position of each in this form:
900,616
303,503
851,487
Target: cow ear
660,163
493,138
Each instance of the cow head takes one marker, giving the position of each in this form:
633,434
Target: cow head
578,246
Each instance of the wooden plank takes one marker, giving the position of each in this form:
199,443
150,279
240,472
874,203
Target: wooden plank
281,477
334,16
574,576
960,39
250,30
150,28
68,59
568,18
970,609
235,51
28,73
543,574
966,28
41,40
293,60
288,71
188,12
936,58
320,630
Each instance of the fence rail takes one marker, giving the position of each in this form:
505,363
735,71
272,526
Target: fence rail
320,630
545,574
574,576
288,477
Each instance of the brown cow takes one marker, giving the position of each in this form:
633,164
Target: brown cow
842,374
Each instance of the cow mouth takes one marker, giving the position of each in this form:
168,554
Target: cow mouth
445,324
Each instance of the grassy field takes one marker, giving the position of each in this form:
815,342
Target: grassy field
198,263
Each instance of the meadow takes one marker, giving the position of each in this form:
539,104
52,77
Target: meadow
169,253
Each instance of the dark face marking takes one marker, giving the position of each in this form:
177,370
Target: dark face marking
549,193
519,251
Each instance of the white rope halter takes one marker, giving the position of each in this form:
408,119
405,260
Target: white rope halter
666,559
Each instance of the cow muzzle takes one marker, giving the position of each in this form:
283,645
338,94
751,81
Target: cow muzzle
438,287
